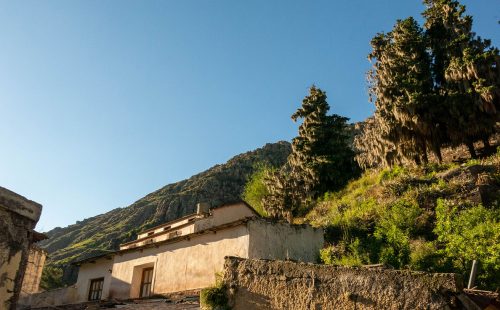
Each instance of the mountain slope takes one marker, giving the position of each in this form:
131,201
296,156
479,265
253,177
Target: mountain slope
217,185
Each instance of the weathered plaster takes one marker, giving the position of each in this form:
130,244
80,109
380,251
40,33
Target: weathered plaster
284,241
34,268
18,217
264,284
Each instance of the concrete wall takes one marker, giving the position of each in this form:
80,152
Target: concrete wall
224,215
259,284
34,268
284,241
179,266
101,268
18,217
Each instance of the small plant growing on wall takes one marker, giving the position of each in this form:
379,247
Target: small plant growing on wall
215,297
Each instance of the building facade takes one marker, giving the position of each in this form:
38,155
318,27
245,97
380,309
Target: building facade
186,254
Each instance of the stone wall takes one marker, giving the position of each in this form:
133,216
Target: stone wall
18,217
264,284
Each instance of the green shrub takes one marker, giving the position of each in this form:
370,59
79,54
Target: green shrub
391,173
51,278
394,230
255,188
467,233
215,297
425,256
345,254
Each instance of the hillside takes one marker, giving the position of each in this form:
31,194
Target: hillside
217,185
434,218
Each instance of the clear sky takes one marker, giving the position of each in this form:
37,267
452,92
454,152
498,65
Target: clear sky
102,102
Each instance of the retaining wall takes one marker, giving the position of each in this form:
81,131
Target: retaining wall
264,284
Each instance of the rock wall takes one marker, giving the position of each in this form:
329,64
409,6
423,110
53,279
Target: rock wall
263,284
18,217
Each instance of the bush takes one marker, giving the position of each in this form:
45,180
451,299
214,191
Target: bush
51,278
394,230
255,188
470,232
215,297
345,254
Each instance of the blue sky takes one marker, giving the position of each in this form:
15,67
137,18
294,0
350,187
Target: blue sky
102,102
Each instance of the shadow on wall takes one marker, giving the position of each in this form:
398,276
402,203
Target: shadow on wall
56,297
119,289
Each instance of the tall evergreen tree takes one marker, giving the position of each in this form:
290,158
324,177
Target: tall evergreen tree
431,89
466,73
321,158
401,87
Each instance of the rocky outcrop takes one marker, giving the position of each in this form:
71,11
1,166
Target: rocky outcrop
263,284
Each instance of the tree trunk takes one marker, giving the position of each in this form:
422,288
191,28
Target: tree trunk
472,151
487,145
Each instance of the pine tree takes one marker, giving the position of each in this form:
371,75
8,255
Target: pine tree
466,73
321,159
431,89
401,87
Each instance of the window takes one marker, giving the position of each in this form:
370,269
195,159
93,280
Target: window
146,281
151,233
174,234
95,290
166,228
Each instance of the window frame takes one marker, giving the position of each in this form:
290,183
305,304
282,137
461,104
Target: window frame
95,293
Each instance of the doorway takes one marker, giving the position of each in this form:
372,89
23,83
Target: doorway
146,282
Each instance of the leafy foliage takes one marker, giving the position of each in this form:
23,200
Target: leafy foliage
215,297
256,189
470,232
51,278
420,218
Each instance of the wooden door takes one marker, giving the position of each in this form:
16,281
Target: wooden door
146,282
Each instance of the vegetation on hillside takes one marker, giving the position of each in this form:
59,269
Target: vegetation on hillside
432,218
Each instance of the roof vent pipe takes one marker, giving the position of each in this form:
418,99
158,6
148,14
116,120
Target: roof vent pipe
202,208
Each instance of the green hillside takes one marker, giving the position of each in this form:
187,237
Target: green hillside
432,218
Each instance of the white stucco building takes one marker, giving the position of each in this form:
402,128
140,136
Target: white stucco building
185,254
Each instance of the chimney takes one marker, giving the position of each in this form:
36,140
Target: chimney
202,208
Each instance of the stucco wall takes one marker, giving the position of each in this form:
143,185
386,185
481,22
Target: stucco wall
184,265
284,241
224,215
259,284
33,274
98,269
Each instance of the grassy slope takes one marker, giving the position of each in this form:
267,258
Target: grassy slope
389,216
